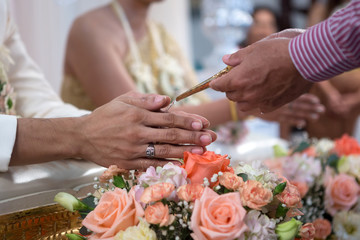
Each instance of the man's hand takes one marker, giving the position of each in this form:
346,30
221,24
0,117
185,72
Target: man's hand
120,131
263,76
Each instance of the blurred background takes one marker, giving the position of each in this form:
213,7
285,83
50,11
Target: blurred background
199,26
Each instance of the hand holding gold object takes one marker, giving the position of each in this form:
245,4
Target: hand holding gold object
200,87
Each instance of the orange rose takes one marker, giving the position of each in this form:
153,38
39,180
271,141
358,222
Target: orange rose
341,193
231,181
218,216
157,192
302,187
347,145
322,228
254,195
310,151
190,192
206,165
290,196
307,231
109,173
158,213
117,210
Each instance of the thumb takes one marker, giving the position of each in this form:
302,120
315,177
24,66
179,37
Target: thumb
233,59
151,102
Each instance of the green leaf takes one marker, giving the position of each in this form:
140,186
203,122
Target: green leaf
281,211
332,161
279,188
119,182
244,176
1,85
279,151
302,146
75,237
9,103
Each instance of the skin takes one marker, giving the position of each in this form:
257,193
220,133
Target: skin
97,46
263,76
117,133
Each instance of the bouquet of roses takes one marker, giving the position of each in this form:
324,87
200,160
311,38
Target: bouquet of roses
205,198
327,174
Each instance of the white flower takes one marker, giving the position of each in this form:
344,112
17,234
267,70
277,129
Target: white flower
260,226
346,225
350,165
69,202
324,146
139,232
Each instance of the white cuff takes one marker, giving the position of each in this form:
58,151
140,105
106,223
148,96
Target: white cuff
8,126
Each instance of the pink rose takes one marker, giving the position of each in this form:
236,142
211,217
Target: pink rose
157,192
117,210
307,231
322,228
158,213
290,196
231,181
218,217
302,187
341,193
190,192
254,195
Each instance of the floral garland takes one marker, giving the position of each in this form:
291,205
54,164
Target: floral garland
205,198
7,95
327,174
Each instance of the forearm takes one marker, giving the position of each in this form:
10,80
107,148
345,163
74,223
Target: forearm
42,140
329,48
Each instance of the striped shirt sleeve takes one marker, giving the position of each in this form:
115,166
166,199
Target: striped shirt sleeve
330,47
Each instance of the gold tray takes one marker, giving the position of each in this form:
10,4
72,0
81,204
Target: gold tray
46,222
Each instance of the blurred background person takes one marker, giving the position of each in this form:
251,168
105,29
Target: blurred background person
119,45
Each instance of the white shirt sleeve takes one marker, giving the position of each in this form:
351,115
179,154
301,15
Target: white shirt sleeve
8,126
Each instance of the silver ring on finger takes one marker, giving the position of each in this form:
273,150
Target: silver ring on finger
150,151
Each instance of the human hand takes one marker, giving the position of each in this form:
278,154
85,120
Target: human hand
305,108
119,132
287,33
263,76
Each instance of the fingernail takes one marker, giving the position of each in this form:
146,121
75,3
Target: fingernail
205,139
226,57
314,116
197,125
197,151
159,99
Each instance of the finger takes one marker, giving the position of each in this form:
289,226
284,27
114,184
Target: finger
175,136
233,59
228,82
151,102
174,120
204,121
170,151
144,163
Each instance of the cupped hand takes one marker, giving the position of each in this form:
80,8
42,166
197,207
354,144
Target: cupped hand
263,76
305,108
119,132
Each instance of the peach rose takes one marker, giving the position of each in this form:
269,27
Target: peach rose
302,187
158,213
290,196
109,173
347,145
206,165
218,216
190,192
307,231
231,181
322,228
341,193
254,195
117,210
157,192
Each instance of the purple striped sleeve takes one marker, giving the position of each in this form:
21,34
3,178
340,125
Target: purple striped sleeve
330,47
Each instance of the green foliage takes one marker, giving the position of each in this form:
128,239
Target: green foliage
302,146
244,176
121,183
332,161
279,188
281,211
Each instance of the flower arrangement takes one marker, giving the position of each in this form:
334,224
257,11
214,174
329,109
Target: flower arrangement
327,174
7,95
205,198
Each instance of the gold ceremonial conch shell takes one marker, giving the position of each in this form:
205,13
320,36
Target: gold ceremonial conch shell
200,87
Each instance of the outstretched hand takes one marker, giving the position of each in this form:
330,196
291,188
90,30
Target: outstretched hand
263,75
120,131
